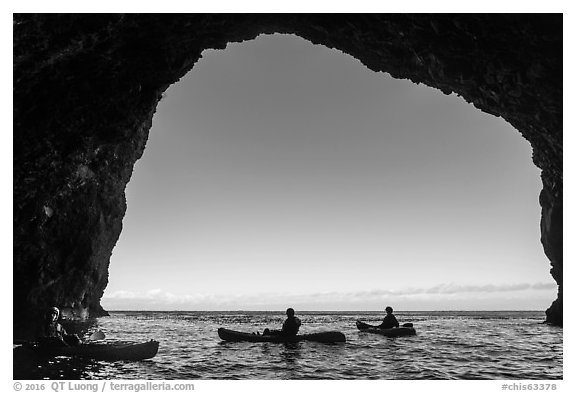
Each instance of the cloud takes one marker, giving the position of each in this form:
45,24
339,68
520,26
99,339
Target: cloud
158,296
437,291
490,288
158,299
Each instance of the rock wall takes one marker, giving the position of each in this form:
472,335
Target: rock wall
86,88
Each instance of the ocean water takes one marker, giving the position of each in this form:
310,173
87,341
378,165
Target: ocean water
448,346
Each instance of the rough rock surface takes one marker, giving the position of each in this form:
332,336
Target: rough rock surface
86,88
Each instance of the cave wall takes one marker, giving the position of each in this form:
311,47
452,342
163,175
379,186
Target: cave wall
86,87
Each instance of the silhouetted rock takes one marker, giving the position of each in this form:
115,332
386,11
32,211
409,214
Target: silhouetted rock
86,88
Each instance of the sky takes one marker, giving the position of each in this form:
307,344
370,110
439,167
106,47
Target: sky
281,173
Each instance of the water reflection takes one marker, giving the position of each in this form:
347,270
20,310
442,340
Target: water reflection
290,353
29,365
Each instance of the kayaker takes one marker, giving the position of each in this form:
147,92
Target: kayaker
290,326
390,320
52,333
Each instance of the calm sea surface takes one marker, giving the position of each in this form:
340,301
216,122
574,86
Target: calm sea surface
448,345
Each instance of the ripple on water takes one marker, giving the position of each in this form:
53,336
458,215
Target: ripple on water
447,346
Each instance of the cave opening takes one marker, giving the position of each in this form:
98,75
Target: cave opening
281,172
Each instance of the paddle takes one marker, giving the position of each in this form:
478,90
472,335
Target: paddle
362,326
99,335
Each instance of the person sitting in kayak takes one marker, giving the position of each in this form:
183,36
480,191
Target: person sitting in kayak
290,326
52,333
390,320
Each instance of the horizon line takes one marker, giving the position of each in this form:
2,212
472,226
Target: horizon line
331,311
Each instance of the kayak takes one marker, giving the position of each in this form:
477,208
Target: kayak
100,351
404,330
119,351
321,337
